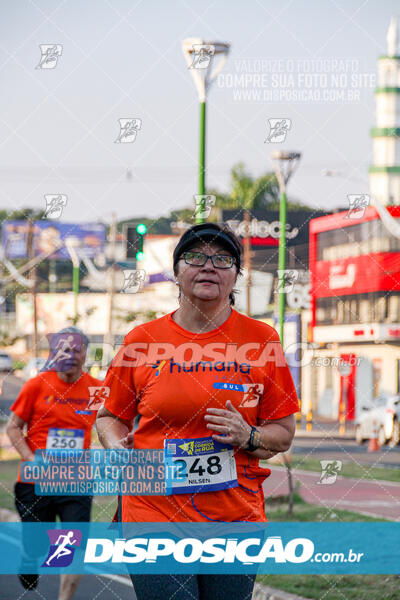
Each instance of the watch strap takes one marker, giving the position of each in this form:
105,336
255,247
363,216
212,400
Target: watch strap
254,440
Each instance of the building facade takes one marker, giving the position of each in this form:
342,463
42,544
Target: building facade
385,172
354,322
355,312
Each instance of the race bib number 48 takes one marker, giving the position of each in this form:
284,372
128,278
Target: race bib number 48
65,439
198,465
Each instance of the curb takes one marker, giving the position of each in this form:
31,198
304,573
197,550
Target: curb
264,592
8,516
322,433
341,477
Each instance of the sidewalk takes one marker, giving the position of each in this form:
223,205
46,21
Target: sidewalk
323,427
374,498
264,592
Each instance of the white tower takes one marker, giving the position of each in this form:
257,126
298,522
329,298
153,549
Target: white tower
385,172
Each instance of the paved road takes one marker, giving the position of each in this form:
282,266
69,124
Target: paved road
376,498
10,386
346,450
90,587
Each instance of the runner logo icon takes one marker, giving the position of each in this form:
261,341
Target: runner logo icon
97,396
252,395
61,552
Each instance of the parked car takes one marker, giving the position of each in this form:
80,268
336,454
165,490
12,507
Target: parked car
6,362
32,368
385,411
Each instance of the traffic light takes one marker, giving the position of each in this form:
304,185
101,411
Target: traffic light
134,235
141,232
134,240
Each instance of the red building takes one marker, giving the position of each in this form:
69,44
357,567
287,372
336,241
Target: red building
355,309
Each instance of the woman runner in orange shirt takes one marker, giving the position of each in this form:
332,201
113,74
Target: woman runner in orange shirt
212,386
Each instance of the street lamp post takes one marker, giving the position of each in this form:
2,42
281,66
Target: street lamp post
71,244
285,164
200,57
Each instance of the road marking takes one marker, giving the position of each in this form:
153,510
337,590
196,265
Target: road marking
9,539
118,578
368,503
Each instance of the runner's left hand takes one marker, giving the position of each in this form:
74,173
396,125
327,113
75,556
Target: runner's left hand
230,422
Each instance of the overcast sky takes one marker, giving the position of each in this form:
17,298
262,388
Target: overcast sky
123,59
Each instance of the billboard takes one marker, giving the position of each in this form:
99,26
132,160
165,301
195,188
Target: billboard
49,238
358,275
353,260
265,230
265,227
348,257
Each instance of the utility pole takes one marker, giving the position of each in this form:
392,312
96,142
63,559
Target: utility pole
200,56
247,261
75,284
52,276
285,164
2,291
71,244
111,279
33,276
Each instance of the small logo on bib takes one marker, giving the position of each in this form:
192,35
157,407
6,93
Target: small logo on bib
187,447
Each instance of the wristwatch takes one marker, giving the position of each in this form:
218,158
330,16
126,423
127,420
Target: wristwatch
254,440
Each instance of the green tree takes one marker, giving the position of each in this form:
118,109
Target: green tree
242,187
250,192
245,191
21,214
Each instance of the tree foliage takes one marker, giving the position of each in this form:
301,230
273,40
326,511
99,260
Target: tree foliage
22,214
245,192
252,193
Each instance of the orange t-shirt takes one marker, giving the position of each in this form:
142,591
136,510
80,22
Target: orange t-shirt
169,376
47,403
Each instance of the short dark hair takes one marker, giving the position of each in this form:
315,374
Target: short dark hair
229,240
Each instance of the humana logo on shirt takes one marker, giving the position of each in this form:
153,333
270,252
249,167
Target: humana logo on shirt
191,550
58,400
206,365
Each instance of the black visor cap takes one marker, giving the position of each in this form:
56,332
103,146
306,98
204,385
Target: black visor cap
206,233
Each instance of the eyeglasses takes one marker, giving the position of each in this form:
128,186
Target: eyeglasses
199,259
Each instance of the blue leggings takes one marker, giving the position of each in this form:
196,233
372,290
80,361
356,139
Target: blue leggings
193,587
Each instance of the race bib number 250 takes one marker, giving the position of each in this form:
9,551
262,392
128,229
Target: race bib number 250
65,439
198,465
